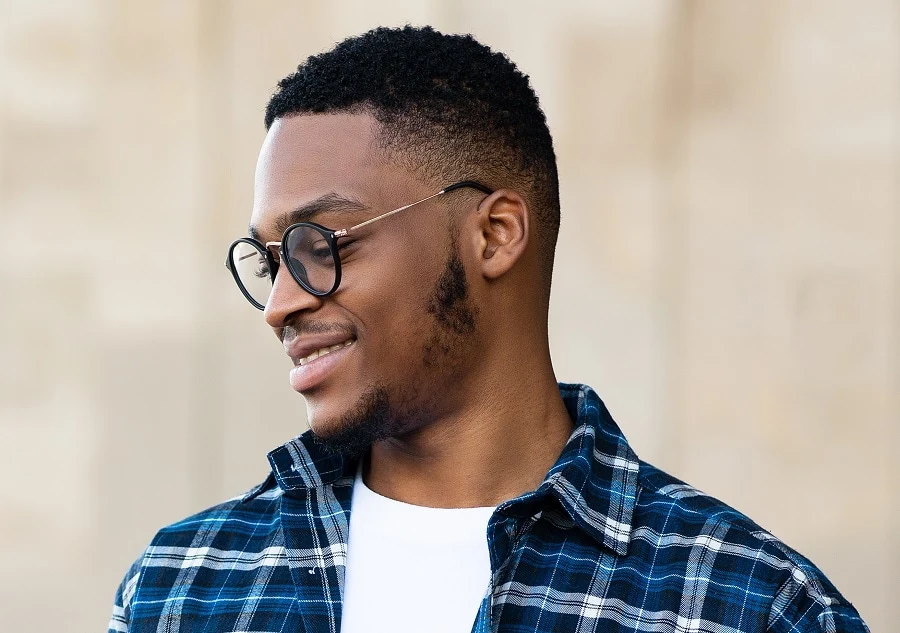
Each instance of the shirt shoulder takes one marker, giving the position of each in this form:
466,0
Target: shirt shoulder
192,559
734,558
231,521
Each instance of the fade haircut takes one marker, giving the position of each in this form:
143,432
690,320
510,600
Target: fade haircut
449,108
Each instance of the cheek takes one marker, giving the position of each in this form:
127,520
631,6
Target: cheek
391,306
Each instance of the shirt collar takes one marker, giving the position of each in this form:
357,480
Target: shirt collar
303,463
594,479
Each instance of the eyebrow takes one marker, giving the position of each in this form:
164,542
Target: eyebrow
328,203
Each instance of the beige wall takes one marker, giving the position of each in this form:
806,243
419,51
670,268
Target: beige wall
728,274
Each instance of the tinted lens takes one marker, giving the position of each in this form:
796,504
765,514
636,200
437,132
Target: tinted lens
311,258
252,271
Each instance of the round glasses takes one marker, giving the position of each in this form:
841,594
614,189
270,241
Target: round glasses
310,252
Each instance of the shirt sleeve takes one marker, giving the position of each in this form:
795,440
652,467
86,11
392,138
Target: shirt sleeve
121,613
806,604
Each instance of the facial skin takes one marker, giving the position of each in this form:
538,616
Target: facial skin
440,361
403,299
376,416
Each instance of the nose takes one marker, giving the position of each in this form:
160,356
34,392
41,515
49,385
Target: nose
287,298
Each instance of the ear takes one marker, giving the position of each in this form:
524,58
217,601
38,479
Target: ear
504,222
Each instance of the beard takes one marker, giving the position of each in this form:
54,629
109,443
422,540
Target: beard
379,414
369,421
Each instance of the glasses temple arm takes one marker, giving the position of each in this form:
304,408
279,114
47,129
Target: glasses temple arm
344,232
459,185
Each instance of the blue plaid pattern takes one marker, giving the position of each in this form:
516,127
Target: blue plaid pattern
605,543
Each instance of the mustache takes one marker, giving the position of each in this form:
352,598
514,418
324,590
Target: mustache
300,328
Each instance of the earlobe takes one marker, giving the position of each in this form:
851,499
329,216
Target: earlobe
504,231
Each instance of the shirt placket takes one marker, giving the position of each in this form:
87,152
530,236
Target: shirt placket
505,532
316,531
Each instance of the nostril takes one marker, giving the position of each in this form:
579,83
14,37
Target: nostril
286,300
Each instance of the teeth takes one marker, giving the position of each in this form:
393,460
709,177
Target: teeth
323,351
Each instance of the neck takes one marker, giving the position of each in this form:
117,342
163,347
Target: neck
498,445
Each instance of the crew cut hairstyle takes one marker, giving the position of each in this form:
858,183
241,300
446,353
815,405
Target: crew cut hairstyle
449,108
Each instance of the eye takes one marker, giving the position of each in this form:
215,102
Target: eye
262,271
320,250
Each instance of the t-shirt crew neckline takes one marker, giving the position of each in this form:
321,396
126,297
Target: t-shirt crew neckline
419,524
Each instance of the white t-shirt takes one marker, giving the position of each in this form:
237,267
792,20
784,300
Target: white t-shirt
411,568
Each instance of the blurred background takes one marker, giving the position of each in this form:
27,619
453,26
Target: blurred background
727,277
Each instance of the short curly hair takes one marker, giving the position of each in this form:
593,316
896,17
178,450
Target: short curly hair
449,108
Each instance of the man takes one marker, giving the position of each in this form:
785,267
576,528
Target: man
401,245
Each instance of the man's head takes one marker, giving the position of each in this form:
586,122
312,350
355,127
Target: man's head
381,121
450,109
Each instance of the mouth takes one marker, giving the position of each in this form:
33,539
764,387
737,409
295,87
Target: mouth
322,351
314,365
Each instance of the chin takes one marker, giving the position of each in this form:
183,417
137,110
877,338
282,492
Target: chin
352,431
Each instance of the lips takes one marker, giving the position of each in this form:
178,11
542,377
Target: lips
315,357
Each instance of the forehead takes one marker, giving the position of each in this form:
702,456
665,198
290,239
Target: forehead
305,157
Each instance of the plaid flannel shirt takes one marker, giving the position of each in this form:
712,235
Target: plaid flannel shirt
605,543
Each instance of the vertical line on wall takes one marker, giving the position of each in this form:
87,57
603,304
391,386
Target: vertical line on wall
215,40
674,229
894,369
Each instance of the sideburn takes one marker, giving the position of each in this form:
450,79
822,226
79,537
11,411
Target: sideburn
450,305
449,300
